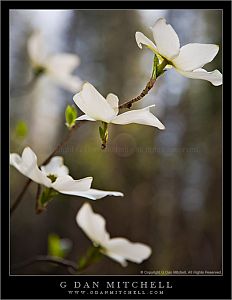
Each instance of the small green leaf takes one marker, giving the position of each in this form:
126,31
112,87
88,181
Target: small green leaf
155,67
58,247
82,262
101,131
46,196
160,68
70,116
104,134
54,245
21,129
92,256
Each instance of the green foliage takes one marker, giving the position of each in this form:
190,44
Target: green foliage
93,255
155,67
46,196
21,129
103,131
58,247
158,68
70,116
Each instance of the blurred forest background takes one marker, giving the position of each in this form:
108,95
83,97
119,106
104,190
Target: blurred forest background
171,179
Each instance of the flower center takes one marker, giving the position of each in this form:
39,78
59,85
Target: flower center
39,70
52,177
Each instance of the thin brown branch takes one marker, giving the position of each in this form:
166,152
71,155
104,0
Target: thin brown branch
63,142
127,104
92,256
149,85
19,198
47,259
144,92
59,146
37,206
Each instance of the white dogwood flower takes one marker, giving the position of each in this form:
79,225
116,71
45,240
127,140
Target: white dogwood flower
98,108
119,249
55,175
57,66
187,60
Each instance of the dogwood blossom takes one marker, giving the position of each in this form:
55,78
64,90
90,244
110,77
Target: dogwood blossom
57,66
119,249
55,175
98,108
187,60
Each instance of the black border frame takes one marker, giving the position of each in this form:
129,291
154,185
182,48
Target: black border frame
184,287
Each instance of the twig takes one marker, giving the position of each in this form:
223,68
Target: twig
47,259
155,74
19,198
144,92
62,143
92,256
127,104
37,206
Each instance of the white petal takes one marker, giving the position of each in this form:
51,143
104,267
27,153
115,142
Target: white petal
55,167
35,47
27,165
121,249
94,194
92,224
67,185
215,77
62,63
113,102
93,104
60,67
68,82
166,39
118,258
194,56
85,117
142,39
140,116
